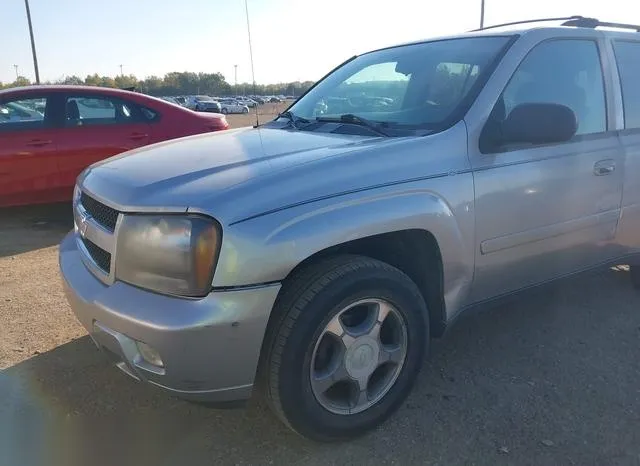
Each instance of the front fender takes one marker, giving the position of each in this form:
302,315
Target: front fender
268,248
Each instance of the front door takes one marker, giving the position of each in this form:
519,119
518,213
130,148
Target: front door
28,144
543,212
97,127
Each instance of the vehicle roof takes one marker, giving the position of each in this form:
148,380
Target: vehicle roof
67,88
521,30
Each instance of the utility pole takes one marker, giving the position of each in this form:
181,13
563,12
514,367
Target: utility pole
33,42
481,14
121,74
235,76
17,75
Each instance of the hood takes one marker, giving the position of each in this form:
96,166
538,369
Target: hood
181,172
240,173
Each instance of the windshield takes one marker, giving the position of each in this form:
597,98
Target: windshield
421,85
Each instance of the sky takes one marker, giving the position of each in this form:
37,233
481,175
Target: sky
292,39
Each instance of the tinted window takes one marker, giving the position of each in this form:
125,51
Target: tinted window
21,113
84,111
566,72
628,58
420,85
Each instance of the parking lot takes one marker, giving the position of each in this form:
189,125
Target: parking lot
266,113
550,378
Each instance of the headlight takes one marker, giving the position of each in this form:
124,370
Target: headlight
171,254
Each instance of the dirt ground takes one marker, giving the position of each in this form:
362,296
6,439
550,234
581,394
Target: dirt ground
552,377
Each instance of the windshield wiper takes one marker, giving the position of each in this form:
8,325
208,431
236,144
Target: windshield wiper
356,120
293,119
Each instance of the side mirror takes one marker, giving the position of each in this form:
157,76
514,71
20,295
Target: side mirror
539,123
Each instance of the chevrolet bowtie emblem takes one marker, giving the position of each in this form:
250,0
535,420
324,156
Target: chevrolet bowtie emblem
84,223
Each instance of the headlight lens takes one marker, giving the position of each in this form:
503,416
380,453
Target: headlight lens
169,254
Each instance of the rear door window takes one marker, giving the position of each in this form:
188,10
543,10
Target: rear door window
628,59
99,110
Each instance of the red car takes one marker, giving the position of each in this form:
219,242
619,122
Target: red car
49,134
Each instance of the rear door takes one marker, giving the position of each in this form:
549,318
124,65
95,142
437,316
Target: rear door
627,55
97,127
28,145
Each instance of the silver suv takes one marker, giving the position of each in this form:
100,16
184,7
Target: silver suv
315,256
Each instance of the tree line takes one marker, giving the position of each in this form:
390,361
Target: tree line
177,83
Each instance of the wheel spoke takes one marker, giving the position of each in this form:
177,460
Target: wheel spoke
362,396
322,384
383,310
336,328
374,332
325,381
394,355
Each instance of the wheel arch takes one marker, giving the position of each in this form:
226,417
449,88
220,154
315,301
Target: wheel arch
417,222
414,252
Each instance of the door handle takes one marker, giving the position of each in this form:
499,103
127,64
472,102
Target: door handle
138,136
39,142
604,167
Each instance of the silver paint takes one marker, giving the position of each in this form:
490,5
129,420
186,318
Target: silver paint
503,221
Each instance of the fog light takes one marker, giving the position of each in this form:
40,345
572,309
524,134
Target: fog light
149,354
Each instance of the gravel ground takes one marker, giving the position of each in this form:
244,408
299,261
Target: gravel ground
551,378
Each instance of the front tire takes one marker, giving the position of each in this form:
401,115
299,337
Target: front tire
224,110
347,346
245,110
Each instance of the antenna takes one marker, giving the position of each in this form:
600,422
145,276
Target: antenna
253,74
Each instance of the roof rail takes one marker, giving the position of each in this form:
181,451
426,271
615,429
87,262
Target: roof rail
593,23
540,20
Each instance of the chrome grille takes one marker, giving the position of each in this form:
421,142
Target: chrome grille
104,215
101,257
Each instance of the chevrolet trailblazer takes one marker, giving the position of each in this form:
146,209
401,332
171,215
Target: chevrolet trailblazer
315,256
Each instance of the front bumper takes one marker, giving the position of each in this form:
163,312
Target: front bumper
209,347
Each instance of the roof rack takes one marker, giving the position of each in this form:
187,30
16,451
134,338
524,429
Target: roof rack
593,23
574,21
526,21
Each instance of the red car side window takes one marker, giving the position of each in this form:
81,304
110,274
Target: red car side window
22,113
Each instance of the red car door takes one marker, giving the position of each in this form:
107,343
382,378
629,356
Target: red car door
28,145
97,127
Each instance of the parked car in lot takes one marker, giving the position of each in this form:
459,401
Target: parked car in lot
246,101
42,152
203,103
232,106
170,99
181,100
321,252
